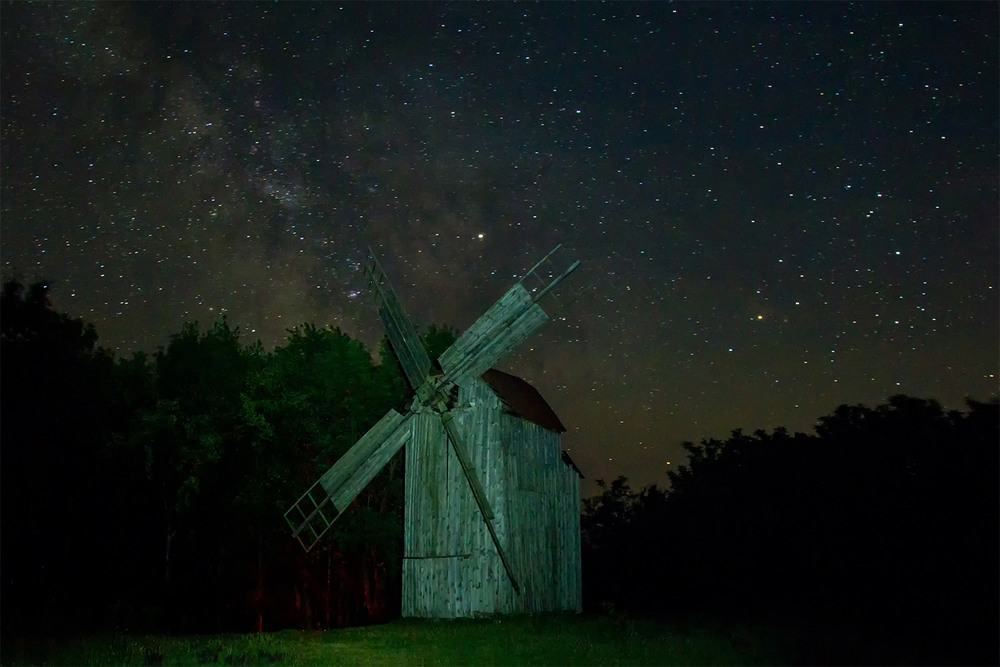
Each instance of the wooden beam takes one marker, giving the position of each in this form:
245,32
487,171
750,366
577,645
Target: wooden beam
477,491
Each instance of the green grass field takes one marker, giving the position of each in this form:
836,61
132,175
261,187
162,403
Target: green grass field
539,640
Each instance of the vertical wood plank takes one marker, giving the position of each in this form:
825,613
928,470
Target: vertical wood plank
451,568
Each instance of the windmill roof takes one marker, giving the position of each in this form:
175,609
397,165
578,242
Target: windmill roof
523,399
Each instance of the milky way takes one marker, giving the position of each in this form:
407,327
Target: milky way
779,208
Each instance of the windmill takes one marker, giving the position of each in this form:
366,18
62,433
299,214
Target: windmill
437,390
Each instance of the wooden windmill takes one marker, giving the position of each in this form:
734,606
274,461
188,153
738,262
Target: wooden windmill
492,504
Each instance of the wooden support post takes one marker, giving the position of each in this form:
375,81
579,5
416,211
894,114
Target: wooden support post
477,491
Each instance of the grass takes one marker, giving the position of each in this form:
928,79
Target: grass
538,640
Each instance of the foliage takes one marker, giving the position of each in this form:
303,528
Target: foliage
59,406
312,400
155,487
437,339
886,518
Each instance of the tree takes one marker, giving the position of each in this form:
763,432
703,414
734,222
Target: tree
56,405
437,339
310,402
605,525
886,518
924,492
182,436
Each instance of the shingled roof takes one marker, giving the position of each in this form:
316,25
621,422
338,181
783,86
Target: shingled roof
523,399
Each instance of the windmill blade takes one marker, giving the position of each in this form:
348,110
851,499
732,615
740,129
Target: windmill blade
503,327
313,514
507,323
543,277
402,336
477,492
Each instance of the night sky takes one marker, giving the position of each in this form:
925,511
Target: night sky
779,207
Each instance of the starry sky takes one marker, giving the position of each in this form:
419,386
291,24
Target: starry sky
779,207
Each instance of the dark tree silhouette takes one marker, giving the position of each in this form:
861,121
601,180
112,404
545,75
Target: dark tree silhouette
314,398
885,520
57,414
184,438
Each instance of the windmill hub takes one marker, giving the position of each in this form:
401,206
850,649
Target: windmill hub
435,392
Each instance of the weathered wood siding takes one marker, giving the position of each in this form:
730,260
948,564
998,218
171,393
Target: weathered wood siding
546,508
450,565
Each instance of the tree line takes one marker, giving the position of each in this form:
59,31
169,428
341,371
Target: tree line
885,521
148,493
